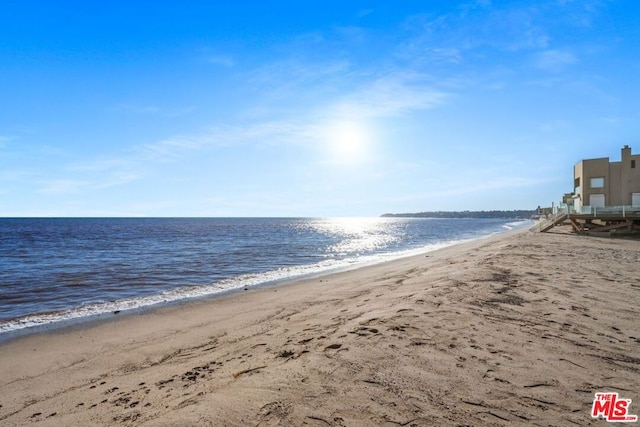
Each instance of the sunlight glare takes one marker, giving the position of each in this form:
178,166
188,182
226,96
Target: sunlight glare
349,143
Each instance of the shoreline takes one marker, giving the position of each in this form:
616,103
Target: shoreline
63,321
517,327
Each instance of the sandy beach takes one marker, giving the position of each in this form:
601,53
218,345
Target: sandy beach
516,329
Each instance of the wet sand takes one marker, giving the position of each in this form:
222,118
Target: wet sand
517,329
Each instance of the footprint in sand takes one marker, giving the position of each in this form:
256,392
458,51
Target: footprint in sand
365,331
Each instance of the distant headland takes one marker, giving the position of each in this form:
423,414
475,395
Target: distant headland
517,214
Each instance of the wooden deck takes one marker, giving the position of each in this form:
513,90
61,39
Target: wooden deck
609,223
614,221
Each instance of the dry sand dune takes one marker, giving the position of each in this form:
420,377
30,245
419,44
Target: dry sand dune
518,329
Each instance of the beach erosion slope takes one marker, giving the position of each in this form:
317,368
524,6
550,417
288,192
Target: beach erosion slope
516,329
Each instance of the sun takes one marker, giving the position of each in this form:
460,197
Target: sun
348,142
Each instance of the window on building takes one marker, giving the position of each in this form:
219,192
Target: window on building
633,164
597,182
576,182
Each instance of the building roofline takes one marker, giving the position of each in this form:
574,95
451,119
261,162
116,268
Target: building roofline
597,158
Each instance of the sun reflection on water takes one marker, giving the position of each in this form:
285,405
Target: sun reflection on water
357,235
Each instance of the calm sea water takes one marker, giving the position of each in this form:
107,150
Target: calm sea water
53,270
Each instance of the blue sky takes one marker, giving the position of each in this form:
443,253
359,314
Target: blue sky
308,108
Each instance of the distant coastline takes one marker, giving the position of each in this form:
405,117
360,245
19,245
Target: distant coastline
516,214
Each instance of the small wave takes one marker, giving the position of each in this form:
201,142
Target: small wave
519,223
282,274
516,224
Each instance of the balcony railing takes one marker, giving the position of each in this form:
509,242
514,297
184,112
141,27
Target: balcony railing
624,211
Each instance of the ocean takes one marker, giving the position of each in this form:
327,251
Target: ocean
58,270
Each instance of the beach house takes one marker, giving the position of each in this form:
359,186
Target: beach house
600,183
605,199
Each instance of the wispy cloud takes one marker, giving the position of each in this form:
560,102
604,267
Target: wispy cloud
554,125
364,12
137,109
63,186
388,96
454,189
391,95
76,177
4,140
220,136
223,60
445,54
581,13
295,72
17,174
84,182
466,32
554,60
451,36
